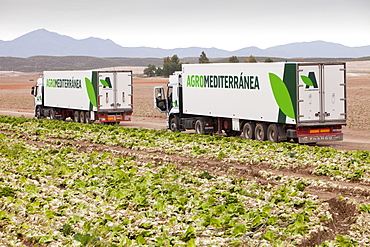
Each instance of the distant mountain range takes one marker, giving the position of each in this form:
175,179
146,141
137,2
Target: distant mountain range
46,43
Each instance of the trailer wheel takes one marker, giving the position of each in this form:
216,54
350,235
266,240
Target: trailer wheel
87,117
174,126
273,133
52,114
248,130
260,132
199,127
82,117
76,116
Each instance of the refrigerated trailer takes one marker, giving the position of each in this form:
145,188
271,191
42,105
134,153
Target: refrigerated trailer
303,102
84,96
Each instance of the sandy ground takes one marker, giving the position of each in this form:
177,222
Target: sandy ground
16,100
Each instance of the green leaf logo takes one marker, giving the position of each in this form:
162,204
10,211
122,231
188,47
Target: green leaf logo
91,92
104,83
307,80
282,95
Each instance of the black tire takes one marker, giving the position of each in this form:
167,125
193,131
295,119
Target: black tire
273,133
82,117
87,117
248,130
260,132
174,124
76,116
52,114
199,127
38,112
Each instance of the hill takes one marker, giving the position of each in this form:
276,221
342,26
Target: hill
46,43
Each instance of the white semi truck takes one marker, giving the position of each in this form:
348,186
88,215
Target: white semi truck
84,96
303,102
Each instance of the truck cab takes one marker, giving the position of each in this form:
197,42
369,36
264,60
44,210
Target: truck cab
38,100
167,100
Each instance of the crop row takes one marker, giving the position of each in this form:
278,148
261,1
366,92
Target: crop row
339,165
52,194
56,195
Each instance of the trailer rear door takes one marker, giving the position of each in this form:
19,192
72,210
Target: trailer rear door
334,102
321,93
115,90
309,103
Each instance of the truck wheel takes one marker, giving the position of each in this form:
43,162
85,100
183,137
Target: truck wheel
52,114
87,117
199,127
273,133
76,116
82,117
248,130
174,127
260,132
38,112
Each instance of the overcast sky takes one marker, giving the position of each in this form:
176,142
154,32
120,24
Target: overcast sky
228,24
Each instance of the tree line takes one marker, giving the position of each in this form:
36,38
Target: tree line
170,65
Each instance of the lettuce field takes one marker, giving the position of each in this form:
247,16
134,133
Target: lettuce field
69,184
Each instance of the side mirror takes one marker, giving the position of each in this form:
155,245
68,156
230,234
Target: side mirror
33,91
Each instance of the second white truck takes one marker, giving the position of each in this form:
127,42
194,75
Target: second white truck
303,102
84,96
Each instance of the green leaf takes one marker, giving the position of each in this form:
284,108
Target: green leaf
215,222
3,215
269,236
188,235
140,240
307,80
365,208
85,239
104,83
7,192
91,92
191,243
239,230
66,229
282,95
345,241
206,175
